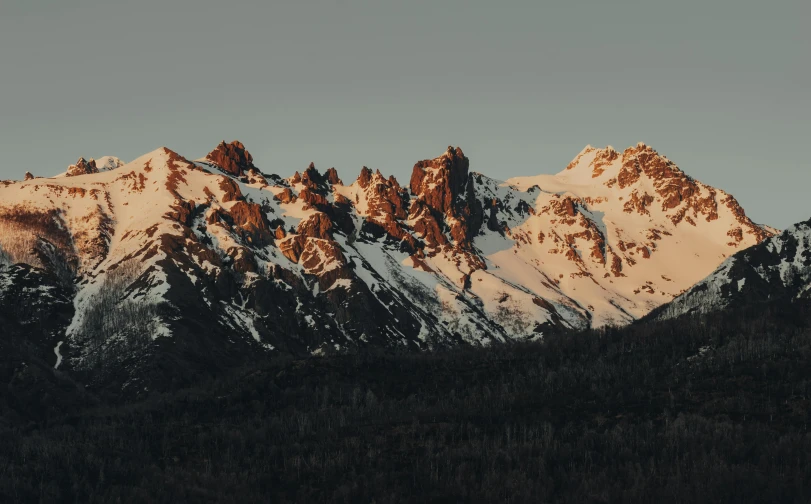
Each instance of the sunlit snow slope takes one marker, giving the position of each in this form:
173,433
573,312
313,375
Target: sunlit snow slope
626,232
777,269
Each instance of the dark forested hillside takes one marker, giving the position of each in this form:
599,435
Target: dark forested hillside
694,410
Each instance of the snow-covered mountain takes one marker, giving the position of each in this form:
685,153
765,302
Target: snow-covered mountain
777,269
215,257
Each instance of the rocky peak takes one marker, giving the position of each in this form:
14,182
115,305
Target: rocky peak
683,198
332,177
440,180
317,225
365,177
233,158
29,176
442,186
385,198
82,167
643,159
623,169
592,163
603,158
313,179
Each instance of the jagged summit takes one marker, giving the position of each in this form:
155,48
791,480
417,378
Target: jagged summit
607,163
644,179
444,191
446,173
313,178
82,167
89,166
365,176
233,158
332,176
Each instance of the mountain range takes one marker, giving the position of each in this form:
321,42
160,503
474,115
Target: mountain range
168,259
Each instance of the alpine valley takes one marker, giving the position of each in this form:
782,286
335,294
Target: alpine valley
114,269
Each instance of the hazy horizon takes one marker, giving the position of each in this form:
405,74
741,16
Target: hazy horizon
718,87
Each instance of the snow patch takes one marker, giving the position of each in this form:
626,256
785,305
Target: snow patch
58,354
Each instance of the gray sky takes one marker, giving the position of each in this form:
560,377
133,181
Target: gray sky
720,87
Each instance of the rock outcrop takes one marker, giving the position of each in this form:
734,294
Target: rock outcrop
445,192
232,158
82,167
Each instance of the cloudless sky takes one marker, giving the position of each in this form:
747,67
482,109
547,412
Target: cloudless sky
721,87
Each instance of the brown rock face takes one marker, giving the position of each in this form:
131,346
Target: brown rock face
384,197
317,225
365,177
182,212
232,158
342,200
443,186
616,266
332,177
286,196
230,189
29,176
643,159
313,180
391,231
567,207
314,199
427,225
82,167
213,217
563,207
319,255
439,181
601,160
252,221
675,191
178,168
736,234
638,204
292,247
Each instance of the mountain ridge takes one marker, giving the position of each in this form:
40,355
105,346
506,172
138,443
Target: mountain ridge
778,268
217,254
